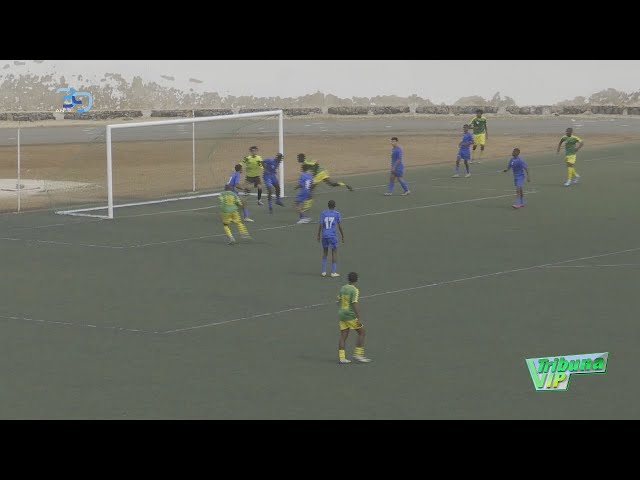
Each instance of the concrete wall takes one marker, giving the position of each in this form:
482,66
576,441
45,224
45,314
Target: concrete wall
338,111
103,115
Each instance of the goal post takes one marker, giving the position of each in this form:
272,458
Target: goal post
223,146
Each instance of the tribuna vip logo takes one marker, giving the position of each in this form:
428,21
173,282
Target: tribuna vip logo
553,374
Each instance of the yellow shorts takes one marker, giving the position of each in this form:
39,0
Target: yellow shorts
479,139
570,159
227,218
320,176
350,324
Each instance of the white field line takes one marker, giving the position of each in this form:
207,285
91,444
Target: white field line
402,290
316,305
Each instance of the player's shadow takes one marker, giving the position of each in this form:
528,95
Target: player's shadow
321,359
307,274
239,242
496,206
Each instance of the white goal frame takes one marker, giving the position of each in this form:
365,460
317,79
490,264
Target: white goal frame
87,212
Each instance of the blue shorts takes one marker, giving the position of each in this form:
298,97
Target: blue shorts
303,196
399,171
330,242
464,154
270,181
518,181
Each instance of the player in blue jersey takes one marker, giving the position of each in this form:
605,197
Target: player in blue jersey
303,200
397,168
464,151
236,185
519,167
270,177
329,219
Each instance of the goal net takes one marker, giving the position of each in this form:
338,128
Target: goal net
151,163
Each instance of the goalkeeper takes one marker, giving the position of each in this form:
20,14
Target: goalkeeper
253,168
319,173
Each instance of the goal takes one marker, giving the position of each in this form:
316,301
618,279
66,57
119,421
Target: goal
156,162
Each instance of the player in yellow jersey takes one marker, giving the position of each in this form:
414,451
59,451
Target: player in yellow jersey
480,134
253,171
229,203
571,146
349,314
319,173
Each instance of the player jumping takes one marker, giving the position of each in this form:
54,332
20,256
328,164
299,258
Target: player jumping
319,173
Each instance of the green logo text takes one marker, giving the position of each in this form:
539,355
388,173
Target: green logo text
553,374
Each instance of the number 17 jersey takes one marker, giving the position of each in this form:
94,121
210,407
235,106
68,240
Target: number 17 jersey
329,219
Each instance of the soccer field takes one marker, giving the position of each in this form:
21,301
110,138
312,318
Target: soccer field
153,315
